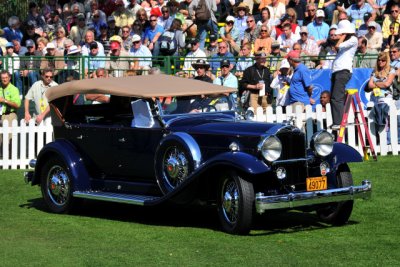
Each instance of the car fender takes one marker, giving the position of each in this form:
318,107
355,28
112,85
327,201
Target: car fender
67,152
189,142
239,160
343,153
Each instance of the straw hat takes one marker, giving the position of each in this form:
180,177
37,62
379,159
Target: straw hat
242,6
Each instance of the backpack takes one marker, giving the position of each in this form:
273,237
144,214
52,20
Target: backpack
168,43
202,12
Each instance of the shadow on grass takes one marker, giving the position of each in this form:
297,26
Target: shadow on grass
196,216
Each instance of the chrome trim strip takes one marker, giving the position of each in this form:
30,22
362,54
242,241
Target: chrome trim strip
288,161
302,199
115,197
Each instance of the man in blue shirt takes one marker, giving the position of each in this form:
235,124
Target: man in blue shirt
151,35
223,53
300,90
318,29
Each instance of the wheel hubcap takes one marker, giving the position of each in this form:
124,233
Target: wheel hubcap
58,185
176,167
230,201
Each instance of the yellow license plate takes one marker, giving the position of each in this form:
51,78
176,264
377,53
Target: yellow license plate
317,183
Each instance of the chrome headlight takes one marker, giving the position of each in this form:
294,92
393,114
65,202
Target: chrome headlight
322,143
249,115
270,148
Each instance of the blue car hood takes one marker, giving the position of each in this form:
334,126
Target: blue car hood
236,128
223,125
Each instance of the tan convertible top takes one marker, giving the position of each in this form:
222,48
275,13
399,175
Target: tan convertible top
138,86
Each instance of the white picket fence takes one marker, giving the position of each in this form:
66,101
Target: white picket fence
25,143
28,140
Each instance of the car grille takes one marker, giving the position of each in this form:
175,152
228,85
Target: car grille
293,144
293,147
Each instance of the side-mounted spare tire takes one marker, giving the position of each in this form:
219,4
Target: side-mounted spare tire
174,162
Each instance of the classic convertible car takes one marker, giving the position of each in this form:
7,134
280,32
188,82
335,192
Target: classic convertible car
168,139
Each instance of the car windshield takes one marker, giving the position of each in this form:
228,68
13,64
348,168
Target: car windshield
195,104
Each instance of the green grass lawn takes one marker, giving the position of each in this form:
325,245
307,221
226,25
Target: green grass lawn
110,234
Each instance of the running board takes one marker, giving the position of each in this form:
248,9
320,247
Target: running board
140,200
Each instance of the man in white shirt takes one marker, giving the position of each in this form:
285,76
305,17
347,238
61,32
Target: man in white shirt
191,57
142,54
37,94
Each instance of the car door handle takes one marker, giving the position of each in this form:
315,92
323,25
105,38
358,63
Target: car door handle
122,140
79,137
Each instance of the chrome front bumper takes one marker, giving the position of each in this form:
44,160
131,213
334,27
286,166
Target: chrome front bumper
294,200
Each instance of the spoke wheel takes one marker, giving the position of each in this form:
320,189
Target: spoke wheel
174,164
235,204
338,213
56,186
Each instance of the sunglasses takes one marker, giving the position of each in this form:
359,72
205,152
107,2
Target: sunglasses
249,21
125,31
48,76
382,60
221,47
136,42
153,20
225,66
96,16
392,52
263,31
394,11
165,11
303,33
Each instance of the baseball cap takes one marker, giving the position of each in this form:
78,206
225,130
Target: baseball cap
285,64
230,18
303,29
294,55
9,44
31,24
114,45
80,16
320,13
275,44
111,18
260,54
194,41
50,46
284,17
29,43
372,24
116,38
103,25
225,62
367,16
136,38
93,45
213,37
54,13
73,50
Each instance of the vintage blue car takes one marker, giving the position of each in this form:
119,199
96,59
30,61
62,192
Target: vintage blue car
159,139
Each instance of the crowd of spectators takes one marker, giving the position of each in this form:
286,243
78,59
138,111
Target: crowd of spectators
240,43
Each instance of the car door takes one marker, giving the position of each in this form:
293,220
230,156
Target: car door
133,152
